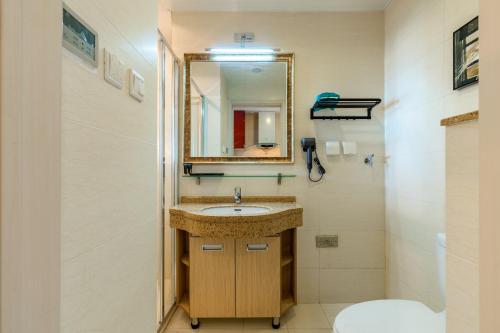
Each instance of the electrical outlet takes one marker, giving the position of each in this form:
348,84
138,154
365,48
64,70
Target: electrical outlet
323,241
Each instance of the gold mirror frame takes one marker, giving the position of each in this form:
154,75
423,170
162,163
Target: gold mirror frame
289,59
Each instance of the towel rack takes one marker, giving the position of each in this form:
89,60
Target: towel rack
345,103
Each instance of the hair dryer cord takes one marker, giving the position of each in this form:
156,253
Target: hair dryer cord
321,170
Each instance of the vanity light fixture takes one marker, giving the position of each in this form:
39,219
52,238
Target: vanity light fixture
243,54
244,57
244,51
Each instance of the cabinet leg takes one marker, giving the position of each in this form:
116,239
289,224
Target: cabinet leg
195,323
276,323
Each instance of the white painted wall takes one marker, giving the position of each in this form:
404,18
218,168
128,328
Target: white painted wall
109,178
341,52
30,107
419,93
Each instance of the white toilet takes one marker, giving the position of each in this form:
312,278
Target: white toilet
396,316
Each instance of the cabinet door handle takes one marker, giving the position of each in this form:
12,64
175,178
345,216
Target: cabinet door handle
212,247
257,247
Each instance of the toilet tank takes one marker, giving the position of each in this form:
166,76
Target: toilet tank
441,261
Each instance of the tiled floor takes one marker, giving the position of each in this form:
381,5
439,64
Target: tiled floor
304,318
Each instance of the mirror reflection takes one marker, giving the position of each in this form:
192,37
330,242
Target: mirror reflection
238,109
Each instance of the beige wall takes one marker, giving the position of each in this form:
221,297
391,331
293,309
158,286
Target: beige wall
489,187
462,228
165,22
419,92
30,175
341,52
109,178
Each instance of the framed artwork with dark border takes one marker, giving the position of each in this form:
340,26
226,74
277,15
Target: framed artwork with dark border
466,55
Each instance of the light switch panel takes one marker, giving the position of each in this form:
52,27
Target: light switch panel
136,85
114,69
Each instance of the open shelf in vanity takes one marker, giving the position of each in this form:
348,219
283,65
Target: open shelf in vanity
288,276
182,269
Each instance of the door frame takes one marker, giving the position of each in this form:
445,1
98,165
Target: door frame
164,310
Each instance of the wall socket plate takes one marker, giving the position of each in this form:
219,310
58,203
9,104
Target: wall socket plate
324,241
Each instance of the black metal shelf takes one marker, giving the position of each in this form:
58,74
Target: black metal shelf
345,103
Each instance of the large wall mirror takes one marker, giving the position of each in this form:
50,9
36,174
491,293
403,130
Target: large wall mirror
238,109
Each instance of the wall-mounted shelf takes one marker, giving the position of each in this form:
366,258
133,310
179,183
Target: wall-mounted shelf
344,103
279,177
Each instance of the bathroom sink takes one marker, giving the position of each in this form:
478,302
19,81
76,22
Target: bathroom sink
235,210
221,218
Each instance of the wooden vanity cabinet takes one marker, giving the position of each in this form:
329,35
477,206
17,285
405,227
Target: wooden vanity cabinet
236,278
258,277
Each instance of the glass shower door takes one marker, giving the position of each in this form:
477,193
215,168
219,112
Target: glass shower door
168,100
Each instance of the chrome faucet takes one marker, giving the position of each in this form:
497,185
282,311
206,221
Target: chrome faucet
237,195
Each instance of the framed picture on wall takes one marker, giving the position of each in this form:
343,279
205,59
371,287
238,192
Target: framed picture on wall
466,55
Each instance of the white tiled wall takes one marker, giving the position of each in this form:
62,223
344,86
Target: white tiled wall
30,172
419,93
109,184
342,52
462,227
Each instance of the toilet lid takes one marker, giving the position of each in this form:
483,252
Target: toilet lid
389,316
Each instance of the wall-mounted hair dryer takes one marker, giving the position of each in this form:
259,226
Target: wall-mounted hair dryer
309,147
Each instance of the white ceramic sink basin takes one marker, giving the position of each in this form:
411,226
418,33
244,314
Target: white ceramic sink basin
235,210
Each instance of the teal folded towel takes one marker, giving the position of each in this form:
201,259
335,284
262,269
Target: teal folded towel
326,97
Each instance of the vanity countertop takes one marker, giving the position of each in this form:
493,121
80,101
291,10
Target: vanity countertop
452,121
189,216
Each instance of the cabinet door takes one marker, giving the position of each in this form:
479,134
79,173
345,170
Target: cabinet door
258,287
212,270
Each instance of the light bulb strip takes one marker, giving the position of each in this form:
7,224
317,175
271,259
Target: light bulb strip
241,51
244,57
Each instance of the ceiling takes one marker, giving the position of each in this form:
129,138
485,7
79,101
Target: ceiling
273,5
